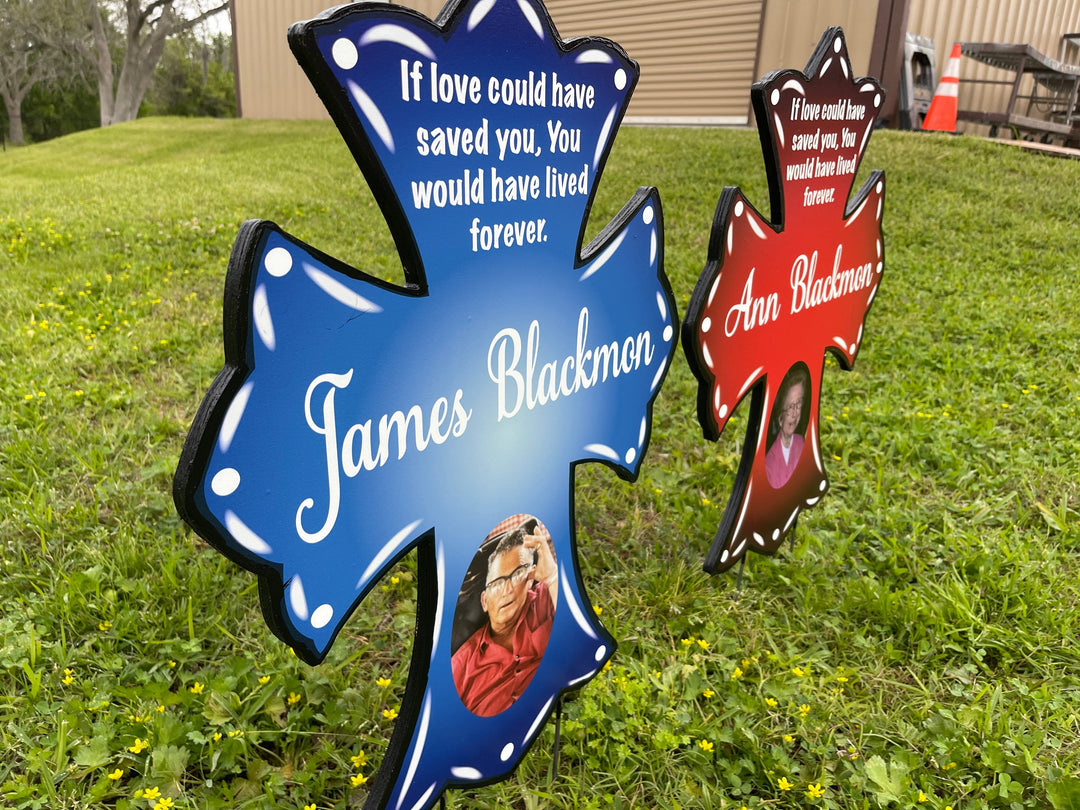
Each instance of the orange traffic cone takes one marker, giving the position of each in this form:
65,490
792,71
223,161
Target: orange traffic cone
942,113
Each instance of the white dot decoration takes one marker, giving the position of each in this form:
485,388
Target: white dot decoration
647,214
345,54
631,454
620,79
822,486
507,752
723,411
668,332
836,45
322,616
462,772
775,96
879,186
225,482
278,262
775,535
877,99
601,651
706,324
852,348
739,208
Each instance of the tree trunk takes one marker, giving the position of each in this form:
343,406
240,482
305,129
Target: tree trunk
143,54
14,115
103,64
145,42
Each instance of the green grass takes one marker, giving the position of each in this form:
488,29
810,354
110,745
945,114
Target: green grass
915,644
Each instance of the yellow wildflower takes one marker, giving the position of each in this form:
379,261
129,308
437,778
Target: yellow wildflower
139,746
359,760
815,791
705,745
150,794
197,689
119,772
798,672
69,677
923,797
708,693
294,698
382,682
788,738
264,680
784,784
703,643
738,673
164,803
804,710
358,779
390,714
771,703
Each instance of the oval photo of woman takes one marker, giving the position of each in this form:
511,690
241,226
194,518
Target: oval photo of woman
504,615
787,426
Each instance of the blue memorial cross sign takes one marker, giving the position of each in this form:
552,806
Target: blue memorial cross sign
355,420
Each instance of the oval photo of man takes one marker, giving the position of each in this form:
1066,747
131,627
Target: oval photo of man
504,615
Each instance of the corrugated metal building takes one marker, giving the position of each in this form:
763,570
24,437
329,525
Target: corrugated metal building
699,57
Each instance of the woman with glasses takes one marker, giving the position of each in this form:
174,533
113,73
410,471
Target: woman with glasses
786,426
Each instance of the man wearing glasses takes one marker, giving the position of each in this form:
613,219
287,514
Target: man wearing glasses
496,663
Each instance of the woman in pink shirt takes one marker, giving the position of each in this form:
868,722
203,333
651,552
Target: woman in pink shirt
787,416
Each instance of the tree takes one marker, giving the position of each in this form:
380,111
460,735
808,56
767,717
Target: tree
59,107
194,77
146,25
29,31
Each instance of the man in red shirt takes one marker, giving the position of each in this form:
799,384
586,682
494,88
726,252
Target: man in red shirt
496,663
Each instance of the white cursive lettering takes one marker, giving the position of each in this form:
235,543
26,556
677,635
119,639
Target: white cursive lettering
363,450
542,383
808,292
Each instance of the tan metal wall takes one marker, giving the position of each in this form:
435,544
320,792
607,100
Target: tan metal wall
790,31
1039,23
270,82
696,56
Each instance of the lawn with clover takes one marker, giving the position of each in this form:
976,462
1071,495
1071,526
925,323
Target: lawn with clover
914,644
